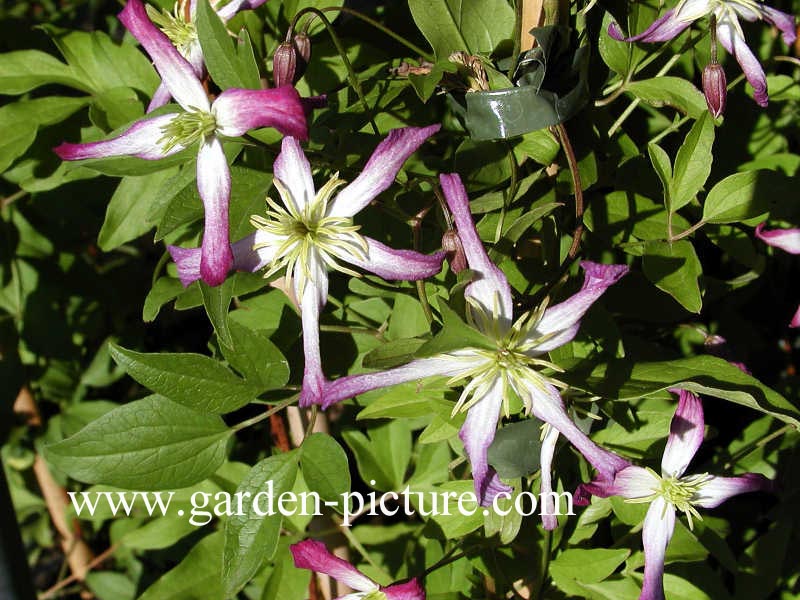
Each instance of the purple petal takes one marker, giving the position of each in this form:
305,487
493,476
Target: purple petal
659,523
141,140
187,260
547,406
294,172
685,434
231,8
381,169
795,322
160,97
176,73
548,512
312,299
662,29
214,185
313,555
782,21
397,265
238,111
353,385
735,44
787,240
477,433
405,591
560,322
491,286
718,489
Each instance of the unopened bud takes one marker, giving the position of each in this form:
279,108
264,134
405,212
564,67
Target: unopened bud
302,44
451,244
715,88
284,64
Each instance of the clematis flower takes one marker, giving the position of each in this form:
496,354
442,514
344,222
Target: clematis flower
674,491
787,240
312,231
179,27
234,112
512,365
729,31
313,555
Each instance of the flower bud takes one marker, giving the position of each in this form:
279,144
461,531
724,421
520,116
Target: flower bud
284,64
302,44
451,244
715,88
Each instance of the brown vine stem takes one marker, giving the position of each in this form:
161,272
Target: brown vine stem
77,553
9,200
416,230
101,558
572,161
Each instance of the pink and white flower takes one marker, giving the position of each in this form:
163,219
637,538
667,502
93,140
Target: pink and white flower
313,555
201,122
179,27
311,231
787,240
673,490
512,363
729,31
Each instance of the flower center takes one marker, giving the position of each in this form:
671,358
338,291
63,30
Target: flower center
176,25
186,128
680,492
300,233
507,366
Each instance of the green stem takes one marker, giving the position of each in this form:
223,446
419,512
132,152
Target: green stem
517,37
312,420
545,567
9,200
266,415
351,73
162,262
347,533
627,112
395,36
447,559
688,232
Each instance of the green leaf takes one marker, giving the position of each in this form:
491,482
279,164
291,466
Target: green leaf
587,566
21,120
116,107
693,162
673,91
251,538
674,268
325,468
515,449
615,54
663,168
195,578
224,64
193,380
148,444
24,70
383,457
129,207
709,375
216,301
163,290
392,354
475,26
455,334
256,357
736,198
101,64
406,401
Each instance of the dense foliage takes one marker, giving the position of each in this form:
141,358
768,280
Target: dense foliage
141,352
